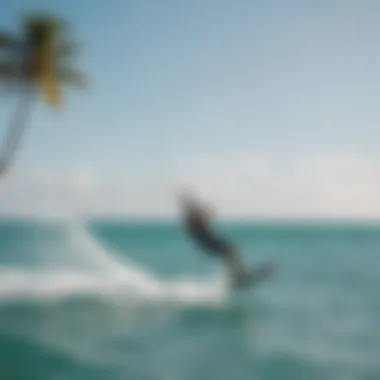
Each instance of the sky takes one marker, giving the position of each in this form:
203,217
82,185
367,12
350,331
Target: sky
268,109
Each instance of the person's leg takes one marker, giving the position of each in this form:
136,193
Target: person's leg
222,249
231,258
234,264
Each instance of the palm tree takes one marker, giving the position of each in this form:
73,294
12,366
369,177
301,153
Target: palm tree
35,63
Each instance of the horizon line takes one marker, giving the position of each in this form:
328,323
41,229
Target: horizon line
177,220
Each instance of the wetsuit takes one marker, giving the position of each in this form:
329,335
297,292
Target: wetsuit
202,234
199,229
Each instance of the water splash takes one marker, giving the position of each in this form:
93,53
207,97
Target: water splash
95,270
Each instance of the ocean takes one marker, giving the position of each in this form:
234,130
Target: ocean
123,300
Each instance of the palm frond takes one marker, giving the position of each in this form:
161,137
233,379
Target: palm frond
35,61
70,76
65,50
50,91
8,71
42,30
7,41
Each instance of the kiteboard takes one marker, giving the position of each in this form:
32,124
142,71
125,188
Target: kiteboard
254,276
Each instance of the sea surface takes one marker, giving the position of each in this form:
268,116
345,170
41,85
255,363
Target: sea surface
122,300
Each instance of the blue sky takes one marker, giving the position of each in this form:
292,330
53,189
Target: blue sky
216,93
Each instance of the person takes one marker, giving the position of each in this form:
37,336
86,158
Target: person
197,219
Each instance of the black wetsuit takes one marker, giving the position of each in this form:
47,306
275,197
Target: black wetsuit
214,245
204,237
197,225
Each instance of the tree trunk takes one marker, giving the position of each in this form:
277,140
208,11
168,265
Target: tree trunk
16,129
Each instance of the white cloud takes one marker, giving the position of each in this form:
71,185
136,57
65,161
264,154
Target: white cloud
240,186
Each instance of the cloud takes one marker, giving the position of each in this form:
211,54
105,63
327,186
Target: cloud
334,185
248,186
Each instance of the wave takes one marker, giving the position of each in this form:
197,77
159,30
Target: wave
95,270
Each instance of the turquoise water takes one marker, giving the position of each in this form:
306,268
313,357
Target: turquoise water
137,301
